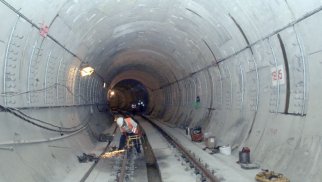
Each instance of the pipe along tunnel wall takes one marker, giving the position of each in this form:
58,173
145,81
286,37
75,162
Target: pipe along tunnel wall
255,66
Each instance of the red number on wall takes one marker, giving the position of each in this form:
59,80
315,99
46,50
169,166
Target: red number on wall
280,74
274,75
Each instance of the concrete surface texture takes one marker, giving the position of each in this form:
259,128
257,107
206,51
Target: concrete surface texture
246,71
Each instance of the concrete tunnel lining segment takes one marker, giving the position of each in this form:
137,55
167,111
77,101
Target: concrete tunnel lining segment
179,50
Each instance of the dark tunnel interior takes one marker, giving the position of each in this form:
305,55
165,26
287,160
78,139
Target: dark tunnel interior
128,95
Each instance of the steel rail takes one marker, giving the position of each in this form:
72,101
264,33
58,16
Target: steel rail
98,159
197,164
124,163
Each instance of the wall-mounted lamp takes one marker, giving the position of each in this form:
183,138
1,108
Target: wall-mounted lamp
112,93
86,71
104,85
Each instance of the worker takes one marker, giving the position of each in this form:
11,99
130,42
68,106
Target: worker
128,127
133,109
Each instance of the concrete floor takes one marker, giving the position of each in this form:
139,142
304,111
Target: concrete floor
106,169
225,167
168,160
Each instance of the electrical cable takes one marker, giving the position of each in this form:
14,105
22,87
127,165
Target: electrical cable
60,129
16,112
44,122
105,109
12,94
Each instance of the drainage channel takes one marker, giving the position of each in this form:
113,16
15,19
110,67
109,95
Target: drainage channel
153,171
206,174
125,171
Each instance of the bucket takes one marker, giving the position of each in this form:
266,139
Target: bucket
211,142
244,157
226,150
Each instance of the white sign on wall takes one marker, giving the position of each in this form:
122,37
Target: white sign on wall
278,75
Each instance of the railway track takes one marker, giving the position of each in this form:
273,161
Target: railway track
200,169
125,163
96,161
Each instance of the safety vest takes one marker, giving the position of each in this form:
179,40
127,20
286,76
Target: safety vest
134,130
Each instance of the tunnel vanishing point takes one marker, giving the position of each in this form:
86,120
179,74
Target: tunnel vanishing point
246,71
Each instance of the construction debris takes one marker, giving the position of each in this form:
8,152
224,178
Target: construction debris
87,158
250,166
105,137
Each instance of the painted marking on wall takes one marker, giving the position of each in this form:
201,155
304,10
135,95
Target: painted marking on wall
43,31
273,131
278,75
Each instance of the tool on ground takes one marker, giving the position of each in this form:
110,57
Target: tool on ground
215,150
129,144
87,158
270,176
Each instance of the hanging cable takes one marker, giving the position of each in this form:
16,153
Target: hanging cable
13,94
25,117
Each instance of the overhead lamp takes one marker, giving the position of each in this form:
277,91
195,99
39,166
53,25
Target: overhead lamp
86,71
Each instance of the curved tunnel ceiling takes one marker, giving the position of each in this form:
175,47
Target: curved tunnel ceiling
248,71
173,31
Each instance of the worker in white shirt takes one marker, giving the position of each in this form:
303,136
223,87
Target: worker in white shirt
128,127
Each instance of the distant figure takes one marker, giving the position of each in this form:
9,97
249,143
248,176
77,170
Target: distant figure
141,106
133,107
128,127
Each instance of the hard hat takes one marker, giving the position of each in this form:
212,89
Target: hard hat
120,121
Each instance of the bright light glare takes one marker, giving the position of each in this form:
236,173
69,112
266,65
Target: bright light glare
112,154
87,71
112,93
104,85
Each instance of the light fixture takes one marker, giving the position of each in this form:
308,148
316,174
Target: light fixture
104,85
86,71
112,93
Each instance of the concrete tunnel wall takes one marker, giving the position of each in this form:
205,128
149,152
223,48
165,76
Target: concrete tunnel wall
254,64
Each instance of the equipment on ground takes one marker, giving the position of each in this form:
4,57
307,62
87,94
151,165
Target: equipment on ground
210,142
244,156
130,139
129,144
196,134
87,158
270,176
250,166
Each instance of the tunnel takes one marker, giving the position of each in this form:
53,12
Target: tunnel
245,72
